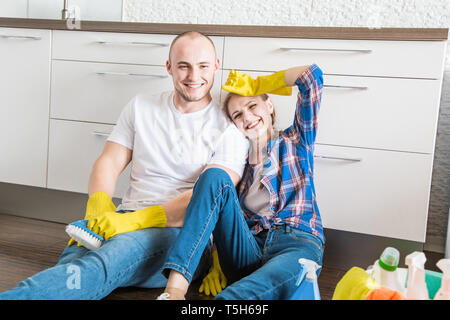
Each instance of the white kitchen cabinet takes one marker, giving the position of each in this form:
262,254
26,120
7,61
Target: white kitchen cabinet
24,105
74,147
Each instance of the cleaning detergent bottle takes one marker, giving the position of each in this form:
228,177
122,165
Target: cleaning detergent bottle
416,286
385,272
308,289
444,291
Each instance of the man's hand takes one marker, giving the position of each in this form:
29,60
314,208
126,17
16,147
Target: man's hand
98,203
111,223
215,281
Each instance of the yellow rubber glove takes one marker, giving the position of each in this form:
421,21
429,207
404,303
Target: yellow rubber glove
245,85
354,285
98,203
111,223
215,281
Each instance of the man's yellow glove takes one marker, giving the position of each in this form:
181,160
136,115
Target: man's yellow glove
111,223
215,281
245,85
97,204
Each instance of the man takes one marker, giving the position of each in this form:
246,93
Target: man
169,138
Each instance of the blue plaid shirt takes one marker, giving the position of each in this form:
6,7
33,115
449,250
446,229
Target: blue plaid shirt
288,170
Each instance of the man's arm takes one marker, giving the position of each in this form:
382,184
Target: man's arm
107,168
175,209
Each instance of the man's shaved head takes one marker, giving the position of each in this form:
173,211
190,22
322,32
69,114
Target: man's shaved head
190,35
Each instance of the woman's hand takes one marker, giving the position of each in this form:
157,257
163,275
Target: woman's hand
215,281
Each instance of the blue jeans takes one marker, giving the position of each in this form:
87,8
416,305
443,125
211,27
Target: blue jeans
128,259
264,266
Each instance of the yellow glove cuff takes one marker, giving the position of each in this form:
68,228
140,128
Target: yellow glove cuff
151,217
98,203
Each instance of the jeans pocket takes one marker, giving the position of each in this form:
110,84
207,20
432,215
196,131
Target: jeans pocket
299,235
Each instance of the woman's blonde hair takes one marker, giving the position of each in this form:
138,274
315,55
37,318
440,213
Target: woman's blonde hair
263,96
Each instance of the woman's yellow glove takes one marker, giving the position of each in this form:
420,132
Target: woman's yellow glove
215,281
97,204
244,85
111,223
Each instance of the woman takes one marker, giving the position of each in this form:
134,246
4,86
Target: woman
275,220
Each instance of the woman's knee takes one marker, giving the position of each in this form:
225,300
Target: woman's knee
214,176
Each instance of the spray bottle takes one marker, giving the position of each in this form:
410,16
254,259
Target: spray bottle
444,291
416,286
308,289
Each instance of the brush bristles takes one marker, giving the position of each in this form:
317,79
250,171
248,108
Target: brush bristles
81,236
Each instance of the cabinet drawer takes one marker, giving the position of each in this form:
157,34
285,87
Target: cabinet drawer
73,149
381,113
97,92
385,193
417,59
355,112
136,48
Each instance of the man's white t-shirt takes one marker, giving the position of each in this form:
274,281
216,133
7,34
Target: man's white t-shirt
171,149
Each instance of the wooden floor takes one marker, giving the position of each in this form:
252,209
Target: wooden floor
28,246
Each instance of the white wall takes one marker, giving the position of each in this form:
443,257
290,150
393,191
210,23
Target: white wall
348,13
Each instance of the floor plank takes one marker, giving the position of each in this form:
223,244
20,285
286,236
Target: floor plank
28,246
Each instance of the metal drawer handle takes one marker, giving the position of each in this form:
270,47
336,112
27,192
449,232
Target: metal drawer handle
6,36
109,73
338,158
345,87
332,50
158,44
100,134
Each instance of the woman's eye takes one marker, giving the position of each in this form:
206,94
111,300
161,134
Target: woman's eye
252,106
237,116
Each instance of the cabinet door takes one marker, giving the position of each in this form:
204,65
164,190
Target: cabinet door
24,105
383,193
74,147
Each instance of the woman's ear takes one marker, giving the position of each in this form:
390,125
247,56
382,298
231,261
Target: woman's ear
269,105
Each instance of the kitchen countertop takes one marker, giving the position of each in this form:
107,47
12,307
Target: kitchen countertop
351,33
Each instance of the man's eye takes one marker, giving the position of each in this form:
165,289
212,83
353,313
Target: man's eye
252,106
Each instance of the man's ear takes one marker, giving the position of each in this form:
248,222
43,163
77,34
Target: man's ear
217,64
169,67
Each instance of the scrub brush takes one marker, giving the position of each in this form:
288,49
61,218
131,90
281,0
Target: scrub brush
82,234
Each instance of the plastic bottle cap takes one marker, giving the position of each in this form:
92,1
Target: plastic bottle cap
389,259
